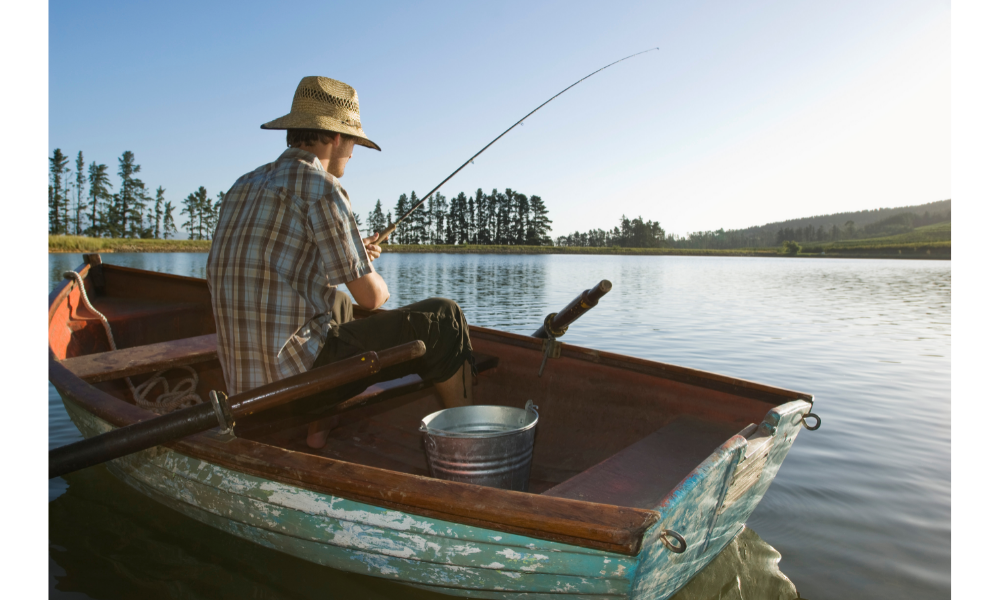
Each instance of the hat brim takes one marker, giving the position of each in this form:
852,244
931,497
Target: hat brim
300,121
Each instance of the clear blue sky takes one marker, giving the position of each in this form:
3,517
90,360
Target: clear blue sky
748,113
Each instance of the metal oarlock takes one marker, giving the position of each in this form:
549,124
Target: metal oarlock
225,432
552,348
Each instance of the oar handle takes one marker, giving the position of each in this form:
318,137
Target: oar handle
322,378
385,234
556,323
201,417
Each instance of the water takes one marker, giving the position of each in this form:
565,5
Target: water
860,509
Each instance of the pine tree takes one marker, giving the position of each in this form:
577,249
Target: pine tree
540,225
57,201
168,220
439,215
418,220
482,218
402,233
521,208
497,215
67,212
388,221
158,212
99,194
210,214
450,235
431,206
463,224
357,220
130,192
81,180
376,220
197,207
138,212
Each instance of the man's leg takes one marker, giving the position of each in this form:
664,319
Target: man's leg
343,312
438,322
457,391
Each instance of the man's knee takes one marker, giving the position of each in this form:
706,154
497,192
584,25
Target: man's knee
442,307
448,307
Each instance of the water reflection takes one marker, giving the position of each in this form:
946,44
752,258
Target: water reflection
108,541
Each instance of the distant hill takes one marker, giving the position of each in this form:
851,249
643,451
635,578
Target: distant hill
860,218
874,224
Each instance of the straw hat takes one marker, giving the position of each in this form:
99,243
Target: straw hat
327,104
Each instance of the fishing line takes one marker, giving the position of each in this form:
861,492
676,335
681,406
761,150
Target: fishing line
388,230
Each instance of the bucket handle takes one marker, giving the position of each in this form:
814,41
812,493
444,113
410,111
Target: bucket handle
528,406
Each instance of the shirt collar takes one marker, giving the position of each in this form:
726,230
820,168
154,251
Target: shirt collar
303,155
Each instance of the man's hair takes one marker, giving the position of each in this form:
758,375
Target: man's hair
308,137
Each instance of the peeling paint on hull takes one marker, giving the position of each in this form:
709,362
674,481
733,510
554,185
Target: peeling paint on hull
447,557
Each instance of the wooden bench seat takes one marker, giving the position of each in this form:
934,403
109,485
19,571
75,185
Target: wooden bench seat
117,364
641,475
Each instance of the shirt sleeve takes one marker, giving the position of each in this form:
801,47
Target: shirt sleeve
337,238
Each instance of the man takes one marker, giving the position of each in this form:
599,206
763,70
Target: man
286,239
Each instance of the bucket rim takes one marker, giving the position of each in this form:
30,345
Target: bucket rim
424,428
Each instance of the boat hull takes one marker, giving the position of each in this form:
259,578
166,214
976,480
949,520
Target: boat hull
447,557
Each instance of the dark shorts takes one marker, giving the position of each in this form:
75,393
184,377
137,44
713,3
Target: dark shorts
438,322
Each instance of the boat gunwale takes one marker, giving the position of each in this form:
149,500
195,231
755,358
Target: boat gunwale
598,526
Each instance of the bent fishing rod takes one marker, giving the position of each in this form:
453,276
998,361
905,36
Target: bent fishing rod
388,230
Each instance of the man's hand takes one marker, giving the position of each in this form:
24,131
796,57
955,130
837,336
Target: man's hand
374,251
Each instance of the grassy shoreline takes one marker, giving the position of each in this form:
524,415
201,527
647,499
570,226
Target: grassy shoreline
77,243
939,250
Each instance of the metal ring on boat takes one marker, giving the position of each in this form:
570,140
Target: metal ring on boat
813,427
665,536
222,412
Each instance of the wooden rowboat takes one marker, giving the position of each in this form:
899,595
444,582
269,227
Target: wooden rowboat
642,472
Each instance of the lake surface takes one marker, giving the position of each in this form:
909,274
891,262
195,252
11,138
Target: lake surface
861,508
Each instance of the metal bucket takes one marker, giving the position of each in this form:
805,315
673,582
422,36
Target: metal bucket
483,445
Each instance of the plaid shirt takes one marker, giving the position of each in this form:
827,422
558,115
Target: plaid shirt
286,237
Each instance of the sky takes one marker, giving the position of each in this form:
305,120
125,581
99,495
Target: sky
748,113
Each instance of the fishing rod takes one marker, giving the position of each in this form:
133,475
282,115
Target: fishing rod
388,230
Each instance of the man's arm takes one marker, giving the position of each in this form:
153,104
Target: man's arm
369,291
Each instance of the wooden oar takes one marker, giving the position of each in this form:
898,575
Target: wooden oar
556,323
202,417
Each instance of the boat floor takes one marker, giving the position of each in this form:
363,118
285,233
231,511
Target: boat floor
386,436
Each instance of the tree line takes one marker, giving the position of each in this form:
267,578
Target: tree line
505,218
636,233
82,202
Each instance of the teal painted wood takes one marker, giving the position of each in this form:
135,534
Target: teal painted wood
705,508
709,509
447,557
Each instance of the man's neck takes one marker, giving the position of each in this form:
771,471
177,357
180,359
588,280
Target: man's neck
318,151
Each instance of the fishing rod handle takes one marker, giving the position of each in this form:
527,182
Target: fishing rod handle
385,234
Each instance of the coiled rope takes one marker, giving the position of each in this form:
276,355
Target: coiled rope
182,395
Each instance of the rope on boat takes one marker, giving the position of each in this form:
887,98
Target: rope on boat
182,395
